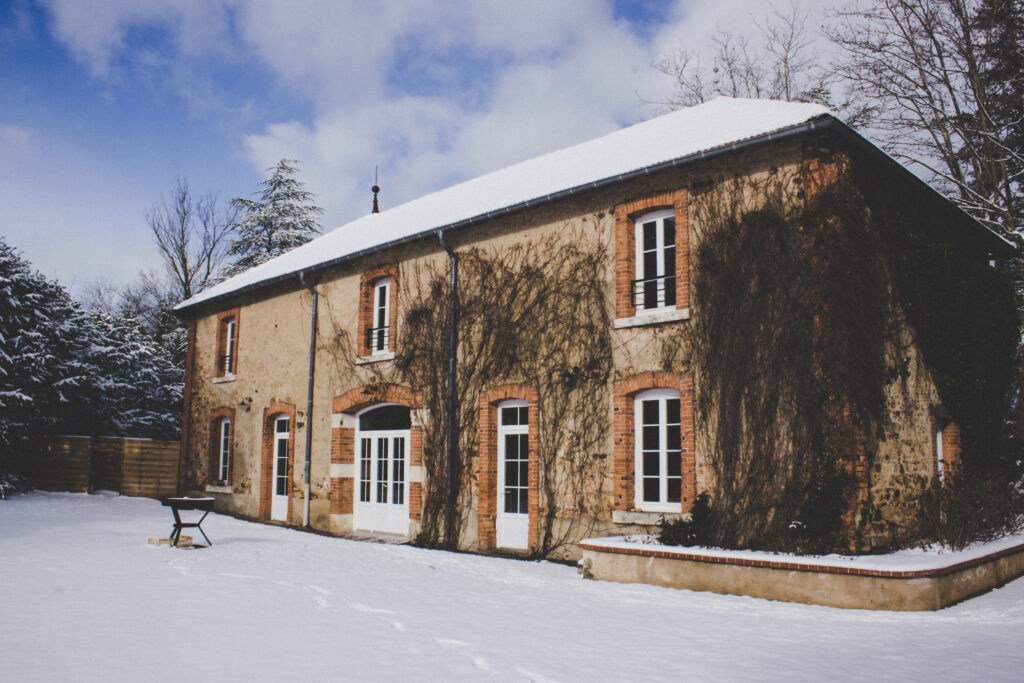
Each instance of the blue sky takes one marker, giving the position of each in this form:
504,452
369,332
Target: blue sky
104,104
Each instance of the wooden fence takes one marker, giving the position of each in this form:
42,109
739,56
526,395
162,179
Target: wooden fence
132,467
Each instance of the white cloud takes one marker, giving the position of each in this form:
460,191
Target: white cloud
433,93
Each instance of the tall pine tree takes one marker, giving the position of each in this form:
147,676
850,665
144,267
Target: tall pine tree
282,218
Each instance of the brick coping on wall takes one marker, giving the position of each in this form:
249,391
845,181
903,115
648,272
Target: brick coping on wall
615,545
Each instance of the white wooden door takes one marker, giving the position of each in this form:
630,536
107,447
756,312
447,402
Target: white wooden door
280,482
512,524
382,503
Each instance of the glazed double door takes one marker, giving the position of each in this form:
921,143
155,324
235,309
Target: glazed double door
382,495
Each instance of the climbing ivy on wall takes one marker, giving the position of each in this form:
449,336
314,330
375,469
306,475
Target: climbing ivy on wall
533,314
802,297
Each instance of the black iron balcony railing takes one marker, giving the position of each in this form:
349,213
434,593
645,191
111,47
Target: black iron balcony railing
654,292
378,339
226,364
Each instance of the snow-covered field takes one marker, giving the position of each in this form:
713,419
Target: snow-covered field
84,598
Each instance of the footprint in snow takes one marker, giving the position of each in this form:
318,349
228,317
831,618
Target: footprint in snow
318,589
451,641
397,625
481,663
359,607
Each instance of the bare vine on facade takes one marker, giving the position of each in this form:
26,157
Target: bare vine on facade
533,314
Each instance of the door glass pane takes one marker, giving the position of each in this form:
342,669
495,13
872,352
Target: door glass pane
385,418
511,473
365,463
511,500
523,508
382,470
670,231
398,472
651,463
281,484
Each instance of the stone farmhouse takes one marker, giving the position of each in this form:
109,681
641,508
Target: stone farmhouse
323,429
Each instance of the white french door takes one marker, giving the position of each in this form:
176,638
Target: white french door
382,503
280,481
512,524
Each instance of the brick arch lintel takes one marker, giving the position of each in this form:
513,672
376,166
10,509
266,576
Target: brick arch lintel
631,385
354,400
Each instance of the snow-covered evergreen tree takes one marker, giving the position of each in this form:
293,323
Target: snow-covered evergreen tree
137,387
41,367
66,370
282,218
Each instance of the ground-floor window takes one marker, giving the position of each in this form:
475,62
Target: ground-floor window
658,443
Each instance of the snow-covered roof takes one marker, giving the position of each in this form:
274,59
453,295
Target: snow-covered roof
683,133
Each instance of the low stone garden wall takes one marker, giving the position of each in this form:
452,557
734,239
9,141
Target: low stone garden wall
906,582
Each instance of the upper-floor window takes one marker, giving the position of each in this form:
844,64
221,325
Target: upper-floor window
229,353
378,313
655,284
227,343
658,443
380,331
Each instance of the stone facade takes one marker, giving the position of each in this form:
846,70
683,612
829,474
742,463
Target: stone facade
270,371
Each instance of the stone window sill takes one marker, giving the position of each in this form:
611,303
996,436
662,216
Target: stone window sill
653,318
213,488
645,518
224,378
375,358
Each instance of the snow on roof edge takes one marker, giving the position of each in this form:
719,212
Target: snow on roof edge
712,121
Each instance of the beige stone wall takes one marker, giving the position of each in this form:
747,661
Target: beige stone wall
274,342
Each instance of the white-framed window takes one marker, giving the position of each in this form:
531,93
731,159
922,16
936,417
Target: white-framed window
654,287
380,331
223,449
658,443
228,361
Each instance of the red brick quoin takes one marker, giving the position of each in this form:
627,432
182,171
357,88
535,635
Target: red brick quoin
343,442
624,458
625,248
271,413
487,463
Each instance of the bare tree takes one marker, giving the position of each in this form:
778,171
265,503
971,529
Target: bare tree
193,236
777,61
919,67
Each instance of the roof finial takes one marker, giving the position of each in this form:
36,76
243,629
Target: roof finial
715,82
375,189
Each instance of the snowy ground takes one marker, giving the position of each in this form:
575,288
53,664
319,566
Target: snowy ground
84,598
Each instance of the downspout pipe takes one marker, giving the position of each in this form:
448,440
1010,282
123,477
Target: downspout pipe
309,397
453,315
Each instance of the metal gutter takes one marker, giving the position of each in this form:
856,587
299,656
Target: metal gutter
453,428
309,397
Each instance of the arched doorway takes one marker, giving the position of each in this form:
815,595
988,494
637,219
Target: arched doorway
382,466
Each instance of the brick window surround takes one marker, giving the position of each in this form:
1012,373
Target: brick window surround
343,443
223,320
624,460
487,462
625,248
216,416
948,432
270,414
366,307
